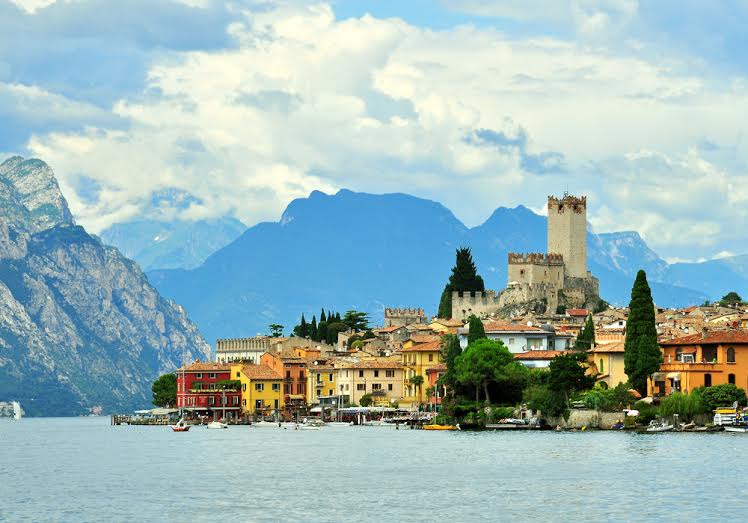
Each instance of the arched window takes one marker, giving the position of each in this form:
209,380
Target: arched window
602,366
707,380
731,379
730,355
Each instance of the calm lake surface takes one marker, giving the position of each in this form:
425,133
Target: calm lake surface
86,470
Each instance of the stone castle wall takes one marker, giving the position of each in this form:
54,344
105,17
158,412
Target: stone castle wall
567,232
481,304
536,268
394,317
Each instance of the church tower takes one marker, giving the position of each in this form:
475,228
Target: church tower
567,232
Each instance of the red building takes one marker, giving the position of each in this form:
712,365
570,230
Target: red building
293,369
207,390
433,374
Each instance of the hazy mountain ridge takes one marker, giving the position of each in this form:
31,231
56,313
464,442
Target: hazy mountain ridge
369,251
80,325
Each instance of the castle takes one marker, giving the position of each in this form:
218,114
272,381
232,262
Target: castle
543,282
402,317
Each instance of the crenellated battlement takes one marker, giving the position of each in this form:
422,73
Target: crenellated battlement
577,204
477,295
535,258
398,312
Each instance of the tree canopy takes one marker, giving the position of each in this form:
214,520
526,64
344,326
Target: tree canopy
356,320
475,329
731,298
276,330
464,278
481,364
642,356
165,390
586,338
718,396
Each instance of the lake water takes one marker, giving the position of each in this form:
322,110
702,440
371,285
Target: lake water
86,470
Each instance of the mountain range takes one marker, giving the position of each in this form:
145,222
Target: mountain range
365,251
80,325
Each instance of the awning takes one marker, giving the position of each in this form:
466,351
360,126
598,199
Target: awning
658,376
674,376
296,396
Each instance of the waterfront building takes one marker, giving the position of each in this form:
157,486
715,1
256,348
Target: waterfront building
261,389
606,363
416,360
207,390
712,357
380,377
520,338
433,374
321,383
292,368
250,350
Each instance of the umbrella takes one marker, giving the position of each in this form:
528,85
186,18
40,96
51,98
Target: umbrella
632,413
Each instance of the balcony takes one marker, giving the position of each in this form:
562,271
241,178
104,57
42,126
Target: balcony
678,366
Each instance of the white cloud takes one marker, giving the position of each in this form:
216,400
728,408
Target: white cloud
306,102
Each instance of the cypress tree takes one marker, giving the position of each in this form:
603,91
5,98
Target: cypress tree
642,355
464,278
322,331
313,329
303,327
586,338
322,316
475,329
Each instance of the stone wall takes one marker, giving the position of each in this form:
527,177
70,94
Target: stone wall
401,317
481,304
567,232
592,419
536,268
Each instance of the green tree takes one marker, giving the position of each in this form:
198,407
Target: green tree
567,374
685,405
366,400
540,397
356,321
480,364
332,331
368,335
730,299
165,390
586,339
322,316
276,330
450,350
720,396
313,329
464,278
322,331
475,329
642,356
352,340
302,329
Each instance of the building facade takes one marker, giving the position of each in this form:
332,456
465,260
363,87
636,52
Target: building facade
207,390
417,359
261,390
292,368
394,317
380,377
605,362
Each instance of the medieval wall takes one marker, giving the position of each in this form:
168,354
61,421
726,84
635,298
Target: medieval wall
402,317
536,268
481,304
567,232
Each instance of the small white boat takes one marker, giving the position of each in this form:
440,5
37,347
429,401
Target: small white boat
340,424
659,426
736,428
308,427
217,425
267,425
181,426
17,412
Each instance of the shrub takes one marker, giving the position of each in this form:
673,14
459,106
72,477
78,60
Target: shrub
499,413
647,412
720,396
549,403
685,405
608,400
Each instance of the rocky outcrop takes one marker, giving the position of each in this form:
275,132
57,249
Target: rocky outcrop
80,325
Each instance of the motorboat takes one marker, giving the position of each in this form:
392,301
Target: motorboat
267,424
181,426
659,426
217,425
340,424
314,422
736,428
441,427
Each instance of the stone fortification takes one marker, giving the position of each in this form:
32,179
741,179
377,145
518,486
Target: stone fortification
395,317
567,232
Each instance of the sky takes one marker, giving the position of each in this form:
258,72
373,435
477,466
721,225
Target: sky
241,106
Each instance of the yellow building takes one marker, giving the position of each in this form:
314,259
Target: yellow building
321,382
262,390
417,359
441,326
606,361
380,377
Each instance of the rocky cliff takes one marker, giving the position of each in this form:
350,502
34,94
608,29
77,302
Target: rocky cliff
80,325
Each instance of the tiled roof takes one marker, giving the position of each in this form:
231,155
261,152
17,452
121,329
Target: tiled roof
260,372
424,347
199,366
540,354
373,363
424,338
392,328
495,326
449,323
712,337
577,312
608,347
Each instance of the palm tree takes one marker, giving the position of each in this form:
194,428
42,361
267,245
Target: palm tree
416,381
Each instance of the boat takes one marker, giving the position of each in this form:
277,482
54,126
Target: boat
339,423
659,426
181,426
736,428
217,425
441,427
308,427
17,412
267,424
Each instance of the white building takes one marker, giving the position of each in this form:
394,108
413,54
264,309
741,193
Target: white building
522,338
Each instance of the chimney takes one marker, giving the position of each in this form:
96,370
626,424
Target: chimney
704,333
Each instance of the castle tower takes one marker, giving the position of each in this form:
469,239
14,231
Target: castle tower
567,232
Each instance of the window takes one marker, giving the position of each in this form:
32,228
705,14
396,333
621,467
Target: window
511,341
376,386
431,357
224,400
330,377
346,387
360,374
212,375
731,379
288,374
301,375
318,392
389,373
286,388
244,387
707,380
360,386
275,404
389,386
300,388
276,387
199,375
259,387
244,403
730,355
212,386
329,392
602,366
376,373
211,400
258,404
238,374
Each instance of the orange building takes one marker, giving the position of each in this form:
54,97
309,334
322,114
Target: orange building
702,360
293,370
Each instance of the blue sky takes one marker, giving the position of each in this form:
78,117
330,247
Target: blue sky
474,103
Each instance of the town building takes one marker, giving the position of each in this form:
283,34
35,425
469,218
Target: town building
322,384
207,390
443,326
712,357
520,338
433,375
261,389
292,368
250,350
416,360
606,363
536,359
543,281
380,377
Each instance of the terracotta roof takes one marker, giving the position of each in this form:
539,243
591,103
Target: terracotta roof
260,372
712,337
540,354
495,326
392,328
373,363
199,366
449,323
608,347
424,347
424,338
577,312
419,327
